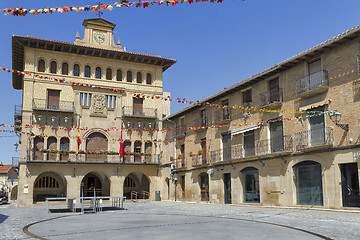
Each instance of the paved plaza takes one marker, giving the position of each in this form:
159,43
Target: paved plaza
179,220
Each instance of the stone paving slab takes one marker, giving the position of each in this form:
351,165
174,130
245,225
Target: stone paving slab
332,224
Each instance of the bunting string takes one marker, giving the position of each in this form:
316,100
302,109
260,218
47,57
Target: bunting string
99,7
143,96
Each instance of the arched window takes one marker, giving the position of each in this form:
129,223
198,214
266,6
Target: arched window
129,76
119,75
51,147
139,77
47,182
98,73
53,67
129,182
65,69
41,65
38,145
64,146
96,142
148,79
108,74
87,71
76,70
137,151
127,150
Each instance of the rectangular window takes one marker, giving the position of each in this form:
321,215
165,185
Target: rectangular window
247,97
110,101
85,99
226,111
203,117
276,136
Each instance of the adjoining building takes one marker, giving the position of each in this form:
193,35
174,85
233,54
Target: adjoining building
111,92
287,146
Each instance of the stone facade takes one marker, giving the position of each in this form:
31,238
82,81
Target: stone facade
54,110
293,156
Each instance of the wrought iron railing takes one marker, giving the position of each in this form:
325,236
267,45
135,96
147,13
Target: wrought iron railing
180,131
139,111
271,96
200,159
227,154
45,104
201,122
274,145
180,162
312,81
314,138
222,115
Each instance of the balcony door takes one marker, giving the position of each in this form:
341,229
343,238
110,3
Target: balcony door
203,148
249,143
315,75
53,100
138,106
274,90
317,127
276,136
226,146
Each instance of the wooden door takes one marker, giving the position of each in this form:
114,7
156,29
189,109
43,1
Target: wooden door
137,106
53,100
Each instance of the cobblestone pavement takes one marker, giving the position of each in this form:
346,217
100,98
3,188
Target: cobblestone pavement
332,224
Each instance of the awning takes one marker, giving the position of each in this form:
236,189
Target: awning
245,129
314,105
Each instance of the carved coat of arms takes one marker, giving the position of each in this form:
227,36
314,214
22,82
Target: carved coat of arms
98,108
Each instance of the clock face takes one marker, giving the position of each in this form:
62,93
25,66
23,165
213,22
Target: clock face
99,37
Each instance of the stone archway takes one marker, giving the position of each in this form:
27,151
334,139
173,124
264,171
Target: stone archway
204,186
251,186
137,182
94,183
48,184
96,142
14,193
308,182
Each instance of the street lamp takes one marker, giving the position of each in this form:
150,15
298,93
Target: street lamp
53,118
39,118
16,146
335,116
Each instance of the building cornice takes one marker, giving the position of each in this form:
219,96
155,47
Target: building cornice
20,42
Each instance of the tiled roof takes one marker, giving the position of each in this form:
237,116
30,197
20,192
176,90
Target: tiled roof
272,70
5,169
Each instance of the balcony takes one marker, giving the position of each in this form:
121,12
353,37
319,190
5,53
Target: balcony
275,145
314,138
272,98
180,131
56,106
227,154
17,118
180,163
222,116
201,123
200,159
312,84
129,111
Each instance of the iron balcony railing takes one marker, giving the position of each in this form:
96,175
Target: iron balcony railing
200,159
271,96
180,131
54,105
314,138
226,154
312,81
139,112
222,115
274,145
180,163
201,122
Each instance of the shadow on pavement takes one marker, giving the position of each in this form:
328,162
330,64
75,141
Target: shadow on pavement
64,210
3,218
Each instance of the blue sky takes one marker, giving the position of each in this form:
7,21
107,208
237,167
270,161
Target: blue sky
216,45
